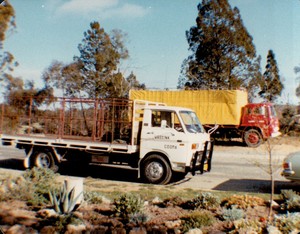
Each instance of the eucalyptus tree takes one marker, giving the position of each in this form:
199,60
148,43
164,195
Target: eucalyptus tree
223,54
7,24
297,71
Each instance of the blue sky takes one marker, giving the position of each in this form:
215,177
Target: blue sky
49,30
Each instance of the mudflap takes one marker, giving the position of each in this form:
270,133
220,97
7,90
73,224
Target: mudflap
205,160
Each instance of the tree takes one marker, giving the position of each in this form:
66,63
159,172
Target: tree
7,23
297,71
95,73
99,58
20,95
271,85
223,55
64,77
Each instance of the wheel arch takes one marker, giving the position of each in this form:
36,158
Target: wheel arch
244,130
31,152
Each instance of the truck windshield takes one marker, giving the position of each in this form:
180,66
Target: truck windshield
273,111
191,122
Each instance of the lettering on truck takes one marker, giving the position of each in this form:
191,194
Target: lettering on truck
170,146
160,137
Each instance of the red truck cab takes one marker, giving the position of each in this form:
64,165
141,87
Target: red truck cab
259,122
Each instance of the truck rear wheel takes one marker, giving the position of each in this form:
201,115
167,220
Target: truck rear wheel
43,159
253,138
156,170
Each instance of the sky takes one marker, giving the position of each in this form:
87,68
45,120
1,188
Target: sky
49,30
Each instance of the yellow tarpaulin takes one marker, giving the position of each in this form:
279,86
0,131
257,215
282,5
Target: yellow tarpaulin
221,107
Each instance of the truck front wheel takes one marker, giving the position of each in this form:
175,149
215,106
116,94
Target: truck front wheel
43,159
252,138
156,170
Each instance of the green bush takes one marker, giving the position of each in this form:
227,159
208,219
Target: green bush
287,223
292,200
138,218
197,219
92,197
232,214
126,205
247,226
205,200
32,186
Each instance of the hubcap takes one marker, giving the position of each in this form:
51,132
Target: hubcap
253,138
154,170
43,160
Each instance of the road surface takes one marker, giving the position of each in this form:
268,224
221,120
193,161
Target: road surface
234,168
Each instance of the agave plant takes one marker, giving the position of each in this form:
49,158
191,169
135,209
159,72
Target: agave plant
64,202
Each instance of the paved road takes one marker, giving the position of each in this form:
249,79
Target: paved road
234,168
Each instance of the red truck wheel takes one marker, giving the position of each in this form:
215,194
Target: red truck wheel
156,170
253,138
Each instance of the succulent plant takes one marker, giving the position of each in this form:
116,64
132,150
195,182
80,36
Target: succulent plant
64,202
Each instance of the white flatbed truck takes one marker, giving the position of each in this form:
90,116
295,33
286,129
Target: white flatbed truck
160,141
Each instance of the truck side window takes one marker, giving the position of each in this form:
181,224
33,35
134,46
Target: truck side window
171,119
259,111
156,119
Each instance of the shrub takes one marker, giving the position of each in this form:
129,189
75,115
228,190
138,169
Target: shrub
138,218
197,219
242,201
292,200
287,223
173,201
127,204
247,226
233,214
203,201
92,197
32,186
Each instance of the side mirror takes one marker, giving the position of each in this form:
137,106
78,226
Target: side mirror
163,124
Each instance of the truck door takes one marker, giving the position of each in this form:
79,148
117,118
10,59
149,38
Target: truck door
164,134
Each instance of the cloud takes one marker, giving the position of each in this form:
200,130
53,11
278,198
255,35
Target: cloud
103,8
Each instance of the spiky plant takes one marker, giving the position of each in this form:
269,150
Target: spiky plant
64,202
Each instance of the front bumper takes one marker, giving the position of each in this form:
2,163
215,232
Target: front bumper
275,134
287,173
202,159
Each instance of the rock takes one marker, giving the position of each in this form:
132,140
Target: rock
16,229
194,231
76,229
47,213
274,204
173,224
156,200
138,230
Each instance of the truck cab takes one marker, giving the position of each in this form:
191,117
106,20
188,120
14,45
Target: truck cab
172,141
259,122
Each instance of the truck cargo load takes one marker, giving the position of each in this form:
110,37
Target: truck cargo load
212,106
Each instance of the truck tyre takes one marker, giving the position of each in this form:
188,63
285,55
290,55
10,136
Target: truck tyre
43,159
252,138
156,170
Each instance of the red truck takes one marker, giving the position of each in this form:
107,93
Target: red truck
229,109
